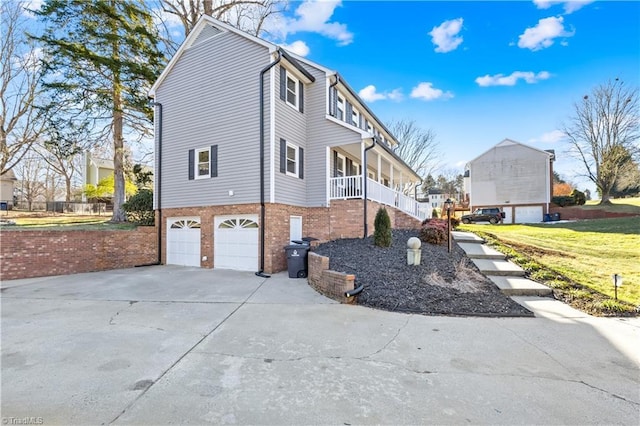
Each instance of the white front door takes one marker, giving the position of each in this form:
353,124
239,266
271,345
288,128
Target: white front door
235,242
183,241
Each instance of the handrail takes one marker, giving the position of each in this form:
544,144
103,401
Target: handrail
347,187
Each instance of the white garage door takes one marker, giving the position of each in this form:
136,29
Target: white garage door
508,214
528,214
236,242
183,241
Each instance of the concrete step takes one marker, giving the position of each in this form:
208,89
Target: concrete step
466,237
492,267
519,286
480,251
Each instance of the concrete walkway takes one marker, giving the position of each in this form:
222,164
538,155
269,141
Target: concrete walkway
508,276
169,345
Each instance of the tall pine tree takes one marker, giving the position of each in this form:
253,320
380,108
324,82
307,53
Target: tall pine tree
102,56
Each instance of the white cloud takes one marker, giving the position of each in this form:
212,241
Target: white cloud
445,36
551,137
298,47
541,36
569,6
370,94
511,80
427,92
312,16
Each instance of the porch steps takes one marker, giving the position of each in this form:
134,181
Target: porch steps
507,276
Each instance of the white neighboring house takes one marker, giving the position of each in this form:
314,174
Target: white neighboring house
513,176
7,182
94,170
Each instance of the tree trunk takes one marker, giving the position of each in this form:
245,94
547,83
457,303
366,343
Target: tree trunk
118,142
67,181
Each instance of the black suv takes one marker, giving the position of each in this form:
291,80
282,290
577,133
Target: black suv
491,215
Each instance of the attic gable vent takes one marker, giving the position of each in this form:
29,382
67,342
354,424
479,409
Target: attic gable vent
206,33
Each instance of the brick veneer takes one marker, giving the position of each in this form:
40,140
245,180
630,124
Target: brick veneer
343,219
28,254
332,284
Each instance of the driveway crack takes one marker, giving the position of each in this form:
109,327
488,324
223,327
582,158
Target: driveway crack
180,358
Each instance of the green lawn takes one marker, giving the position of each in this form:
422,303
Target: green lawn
588,252
63,222
620,205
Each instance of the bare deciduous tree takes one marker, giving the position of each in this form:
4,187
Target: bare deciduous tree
417,147
603,131
20,123
247,15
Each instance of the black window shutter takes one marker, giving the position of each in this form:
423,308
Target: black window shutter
348,167
192,160
283,156
301,163
348,112
214,160
283,84
335,163
334,102
301,96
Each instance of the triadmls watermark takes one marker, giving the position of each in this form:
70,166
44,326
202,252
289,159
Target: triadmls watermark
27,420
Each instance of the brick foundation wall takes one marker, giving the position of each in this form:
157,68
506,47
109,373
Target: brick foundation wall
330,283
343,219
29,254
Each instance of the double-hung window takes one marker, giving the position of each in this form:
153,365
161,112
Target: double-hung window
292,90
291,159
203,162
355,118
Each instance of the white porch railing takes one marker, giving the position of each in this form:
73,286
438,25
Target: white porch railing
342,188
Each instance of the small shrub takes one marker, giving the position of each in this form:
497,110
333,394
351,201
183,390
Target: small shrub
382,233
433,231
564,200
455,222
434,214
139,208
578,197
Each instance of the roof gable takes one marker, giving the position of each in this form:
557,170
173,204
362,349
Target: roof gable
510,143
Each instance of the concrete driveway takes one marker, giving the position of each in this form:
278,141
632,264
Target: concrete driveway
171,345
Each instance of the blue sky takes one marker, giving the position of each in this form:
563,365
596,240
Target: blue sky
474,72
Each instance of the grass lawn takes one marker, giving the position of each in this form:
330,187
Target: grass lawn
61,221
587,252
620,205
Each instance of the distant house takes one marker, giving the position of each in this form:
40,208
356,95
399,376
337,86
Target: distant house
513,176
260,147
7,182
95,169
436,198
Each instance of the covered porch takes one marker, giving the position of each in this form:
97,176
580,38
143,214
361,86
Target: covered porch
389,180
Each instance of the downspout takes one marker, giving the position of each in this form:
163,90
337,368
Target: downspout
365,178
260,272
159,183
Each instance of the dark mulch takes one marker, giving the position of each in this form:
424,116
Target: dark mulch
443,284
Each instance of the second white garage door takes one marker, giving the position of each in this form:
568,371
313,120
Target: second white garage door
236,242
528,214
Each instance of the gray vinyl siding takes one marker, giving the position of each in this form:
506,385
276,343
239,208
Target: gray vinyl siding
211,97
321,133
290,125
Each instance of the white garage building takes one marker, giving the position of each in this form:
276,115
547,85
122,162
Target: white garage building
514,177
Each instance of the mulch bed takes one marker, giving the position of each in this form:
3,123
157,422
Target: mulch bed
443,284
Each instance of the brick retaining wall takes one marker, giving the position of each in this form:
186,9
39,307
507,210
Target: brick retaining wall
332,284
578,213
29,254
